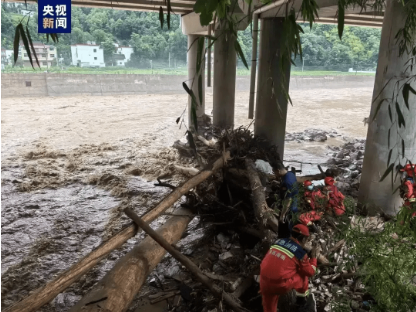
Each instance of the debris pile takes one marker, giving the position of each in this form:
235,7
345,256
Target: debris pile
313,135
231,238
348,158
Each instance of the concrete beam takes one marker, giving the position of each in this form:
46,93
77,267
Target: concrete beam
271,107
390,69
225,69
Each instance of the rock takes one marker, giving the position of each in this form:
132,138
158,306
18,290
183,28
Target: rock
222,239
320,138
226,255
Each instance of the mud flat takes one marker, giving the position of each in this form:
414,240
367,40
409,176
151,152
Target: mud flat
71,164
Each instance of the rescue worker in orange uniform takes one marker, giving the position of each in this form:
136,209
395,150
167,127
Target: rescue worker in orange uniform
287,266
334,196
409,187
311,198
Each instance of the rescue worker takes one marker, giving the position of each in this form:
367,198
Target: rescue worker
287,266
334,196
288,193
408,189
311,197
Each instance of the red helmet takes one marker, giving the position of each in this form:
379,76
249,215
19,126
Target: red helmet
302,229
329,181
307,183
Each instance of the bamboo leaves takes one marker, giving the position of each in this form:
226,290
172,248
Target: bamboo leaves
341,17
309,9
194,104
31,46
161,17
400,116
27,43
206,8
240,53
407,88
16,44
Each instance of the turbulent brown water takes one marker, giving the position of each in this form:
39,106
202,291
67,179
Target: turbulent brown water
70,165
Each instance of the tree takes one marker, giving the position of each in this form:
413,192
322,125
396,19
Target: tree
109,49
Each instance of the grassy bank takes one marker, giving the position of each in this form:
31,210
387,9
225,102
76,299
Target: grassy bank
164,71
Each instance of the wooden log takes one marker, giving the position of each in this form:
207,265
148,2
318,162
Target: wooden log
120,285
229,300
313,177
262,212
44,294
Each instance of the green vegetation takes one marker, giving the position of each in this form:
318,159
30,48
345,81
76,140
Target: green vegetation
322,49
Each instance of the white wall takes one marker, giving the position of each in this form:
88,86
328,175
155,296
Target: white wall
127,51
89,55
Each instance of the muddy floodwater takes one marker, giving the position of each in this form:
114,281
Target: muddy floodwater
70,165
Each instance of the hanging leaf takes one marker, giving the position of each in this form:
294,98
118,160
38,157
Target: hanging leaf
178,119
16,45
403,149
388,158
390,114
400,115
193,103
31,45
200,88
386,173
25,43
169,11
194,117
341,18
199,54
161,17
405,92
388,139
240,53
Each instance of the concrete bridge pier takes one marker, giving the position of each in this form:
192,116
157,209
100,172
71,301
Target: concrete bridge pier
271,106
225,62
372,193
193,77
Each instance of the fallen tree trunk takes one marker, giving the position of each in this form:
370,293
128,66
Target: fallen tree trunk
192,267
119,287
43,295
262,212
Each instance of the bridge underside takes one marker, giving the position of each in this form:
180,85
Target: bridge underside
327,11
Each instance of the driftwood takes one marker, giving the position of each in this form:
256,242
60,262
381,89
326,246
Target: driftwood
336,246
262,212
44,294
229,300
190,171
121,284
210,143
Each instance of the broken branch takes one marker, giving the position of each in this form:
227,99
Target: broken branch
186,262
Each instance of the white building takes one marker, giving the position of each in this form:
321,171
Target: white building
46,55
87,55
126,51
